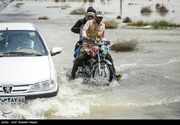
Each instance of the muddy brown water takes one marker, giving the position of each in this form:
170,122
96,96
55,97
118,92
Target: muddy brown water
149,89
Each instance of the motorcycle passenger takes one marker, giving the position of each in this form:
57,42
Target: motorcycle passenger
77,28
93,29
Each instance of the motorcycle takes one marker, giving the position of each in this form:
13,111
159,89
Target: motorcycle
96,66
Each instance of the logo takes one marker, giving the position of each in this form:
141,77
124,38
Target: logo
7,89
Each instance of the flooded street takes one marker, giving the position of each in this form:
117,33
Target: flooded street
149,88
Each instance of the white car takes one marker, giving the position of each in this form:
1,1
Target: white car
26,66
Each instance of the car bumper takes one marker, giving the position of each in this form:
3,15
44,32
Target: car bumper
44,95
30,96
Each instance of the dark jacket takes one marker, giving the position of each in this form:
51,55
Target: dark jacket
77,26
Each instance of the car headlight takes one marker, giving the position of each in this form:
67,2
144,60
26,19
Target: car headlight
42,86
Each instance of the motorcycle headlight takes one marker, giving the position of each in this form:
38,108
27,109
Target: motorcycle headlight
42,86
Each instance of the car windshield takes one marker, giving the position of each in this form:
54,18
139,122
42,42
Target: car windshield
21,43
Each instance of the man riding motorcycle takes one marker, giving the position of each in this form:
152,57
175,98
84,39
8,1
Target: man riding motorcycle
93,29
77,28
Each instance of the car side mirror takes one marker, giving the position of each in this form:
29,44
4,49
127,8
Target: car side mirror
55,50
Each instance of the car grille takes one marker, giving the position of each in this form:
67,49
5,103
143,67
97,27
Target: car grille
16,89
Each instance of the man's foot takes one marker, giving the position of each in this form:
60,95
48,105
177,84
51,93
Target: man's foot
71,77
118,76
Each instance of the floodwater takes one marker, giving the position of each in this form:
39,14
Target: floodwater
149,88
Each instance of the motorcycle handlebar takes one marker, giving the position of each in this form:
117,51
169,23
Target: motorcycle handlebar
107,42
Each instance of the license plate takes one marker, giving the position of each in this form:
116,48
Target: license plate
12,100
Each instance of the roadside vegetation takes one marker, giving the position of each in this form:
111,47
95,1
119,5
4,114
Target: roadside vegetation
111,24
146,10
155,24
43,18
119,17
127,20
161,9
125,46
79,11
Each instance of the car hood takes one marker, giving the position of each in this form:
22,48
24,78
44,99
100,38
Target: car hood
24,70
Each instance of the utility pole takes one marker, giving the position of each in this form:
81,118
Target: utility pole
121,8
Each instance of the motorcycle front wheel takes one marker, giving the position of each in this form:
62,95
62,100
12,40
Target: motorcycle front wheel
103,73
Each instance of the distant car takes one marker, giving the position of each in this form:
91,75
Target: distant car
26,67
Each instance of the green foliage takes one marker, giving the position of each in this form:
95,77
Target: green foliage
155,24
139,23
119,17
